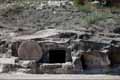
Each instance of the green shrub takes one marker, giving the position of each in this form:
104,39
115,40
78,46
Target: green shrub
82,5
78,2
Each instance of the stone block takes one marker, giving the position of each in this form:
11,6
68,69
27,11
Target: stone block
67,68
77,65
4,68
11,60
8,64
49,68
22,70
26,63
95,60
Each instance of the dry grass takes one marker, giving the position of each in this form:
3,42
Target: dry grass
94,17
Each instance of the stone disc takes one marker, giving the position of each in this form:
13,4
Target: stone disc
30,50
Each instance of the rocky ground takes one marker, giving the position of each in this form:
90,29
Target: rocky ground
33,15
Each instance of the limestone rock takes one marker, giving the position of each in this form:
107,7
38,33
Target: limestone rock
49,68
4,68
27,66
30,50
67,67
11,60
95,60
26,63
77,65
8,64
22,70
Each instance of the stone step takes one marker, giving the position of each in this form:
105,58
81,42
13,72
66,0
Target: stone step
11,60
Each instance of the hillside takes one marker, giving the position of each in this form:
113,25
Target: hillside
37,15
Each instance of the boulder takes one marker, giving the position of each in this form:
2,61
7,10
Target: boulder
30,50
95,60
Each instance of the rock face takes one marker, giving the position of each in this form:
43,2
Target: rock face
30,50
66,52
65,68
63,52
114,56
27,66
49,68
72,47
78,66
7,64
93,60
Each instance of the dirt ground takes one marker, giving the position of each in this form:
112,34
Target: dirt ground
58,77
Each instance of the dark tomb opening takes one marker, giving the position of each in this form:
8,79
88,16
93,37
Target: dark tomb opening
57,56
84,66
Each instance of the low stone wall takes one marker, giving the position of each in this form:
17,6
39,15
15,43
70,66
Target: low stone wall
65,68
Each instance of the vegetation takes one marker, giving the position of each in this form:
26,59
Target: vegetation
93,17
78,2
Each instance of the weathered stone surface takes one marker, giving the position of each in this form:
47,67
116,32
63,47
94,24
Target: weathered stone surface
22,70
93,60
26,63
49,68
8,64
77,65
114,55
27,66
30,50
4,68
11,60
67,67
14,48
62,15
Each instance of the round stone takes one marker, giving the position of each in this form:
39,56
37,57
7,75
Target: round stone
30,50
